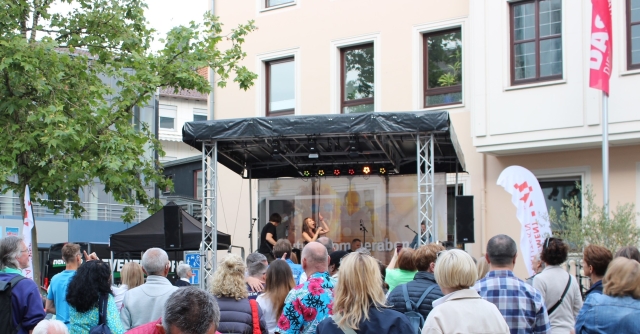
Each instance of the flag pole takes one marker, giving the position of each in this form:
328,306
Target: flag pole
605,153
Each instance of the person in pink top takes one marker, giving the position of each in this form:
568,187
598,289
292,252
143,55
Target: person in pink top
188,310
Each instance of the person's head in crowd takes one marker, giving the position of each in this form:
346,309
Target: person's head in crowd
328,244
423,227
483,267
256,258
309,225
595,260
554,251
13,253
71,254
257,269
282,246
629,252
355,244
228,280
132,275
279,282
275,219
92,279
50,326
334,261
190,311
184,271
455,271
537,265
425,257
359,287
314,258
155,261
405,260
501,252
363,250
622,278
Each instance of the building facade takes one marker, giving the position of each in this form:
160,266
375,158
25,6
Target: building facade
512,74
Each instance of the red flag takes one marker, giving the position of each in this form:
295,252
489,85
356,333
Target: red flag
601,45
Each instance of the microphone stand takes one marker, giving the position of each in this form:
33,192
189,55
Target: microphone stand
364,232
410,229
251,234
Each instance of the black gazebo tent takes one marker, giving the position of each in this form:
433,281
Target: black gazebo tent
150,233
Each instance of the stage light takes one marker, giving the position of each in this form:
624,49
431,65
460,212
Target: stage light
313,149
353,148
336,172
306,173
366,170
383,171
275,148
351,171
320,172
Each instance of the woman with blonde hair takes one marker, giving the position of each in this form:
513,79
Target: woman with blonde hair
461,310
359,302
131,276
608,312
483,267
310,230
279,282
237,313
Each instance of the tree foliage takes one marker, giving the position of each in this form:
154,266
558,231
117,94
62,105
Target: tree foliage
593,227
63,125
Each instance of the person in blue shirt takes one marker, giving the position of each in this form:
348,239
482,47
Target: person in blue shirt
283,248
57,294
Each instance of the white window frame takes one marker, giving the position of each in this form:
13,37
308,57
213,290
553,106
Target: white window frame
261,85
583,172
201,111
336,71
261,6
418,62
167,107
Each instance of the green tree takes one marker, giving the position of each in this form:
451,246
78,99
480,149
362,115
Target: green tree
593,226
63,125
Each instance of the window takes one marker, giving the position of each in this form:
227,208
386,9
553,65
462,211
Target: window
633,34
274,3
281,87
442,68
199,114
357,73
536,41
168,117
557,190
197,184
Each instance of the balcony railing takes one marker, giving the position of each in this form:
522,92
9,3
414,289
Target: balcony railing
10,206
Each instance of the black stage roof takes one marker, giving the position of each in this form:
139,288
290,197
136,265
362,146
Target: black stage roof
285,146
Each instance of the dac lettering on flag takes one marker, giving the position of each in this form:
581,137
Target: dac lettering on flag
600,61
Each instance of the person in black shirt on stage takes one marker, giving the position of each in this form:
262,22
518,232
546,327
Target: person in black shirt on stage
269,237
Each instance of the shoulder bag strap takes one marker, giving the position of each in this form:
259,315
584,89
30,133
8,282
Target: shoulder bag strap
102,309
345,330
424,295
255,316
555,306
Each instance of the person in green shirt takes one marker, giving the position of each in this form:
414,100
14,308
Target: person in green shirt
401,269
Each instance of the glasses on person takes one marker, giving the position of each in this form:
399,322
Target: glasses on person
24,250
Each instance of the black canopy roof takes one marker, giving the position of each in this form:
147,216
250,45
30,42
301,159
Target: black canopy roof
150,233
285,146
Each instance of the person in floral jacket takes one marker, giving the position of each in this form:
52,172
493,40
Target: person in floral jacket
309,303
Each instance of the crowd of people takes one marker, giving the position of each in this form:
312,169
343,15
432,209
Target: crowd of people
427,290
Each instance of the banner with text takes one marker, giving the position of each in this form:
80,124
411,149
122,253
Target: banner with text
601,46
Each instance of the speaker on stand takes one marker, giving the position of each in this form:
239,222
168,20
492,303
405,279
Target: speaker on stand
172,227
464,219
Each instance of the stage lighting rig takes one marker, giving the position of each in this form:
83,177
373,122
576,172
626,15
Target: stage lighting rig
353,147
313,149
275,148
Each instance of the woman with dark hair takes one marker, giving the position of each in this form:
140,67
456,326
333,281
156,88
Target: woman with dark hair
616,309
279,282
310,230
629,252
559,289
595,260
88,287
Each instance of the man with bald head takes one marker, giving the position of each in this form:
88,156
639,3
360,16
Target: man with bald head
146,302
308,303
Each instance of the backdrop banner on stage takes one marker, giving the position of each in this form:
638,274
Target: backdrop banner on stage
384,205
